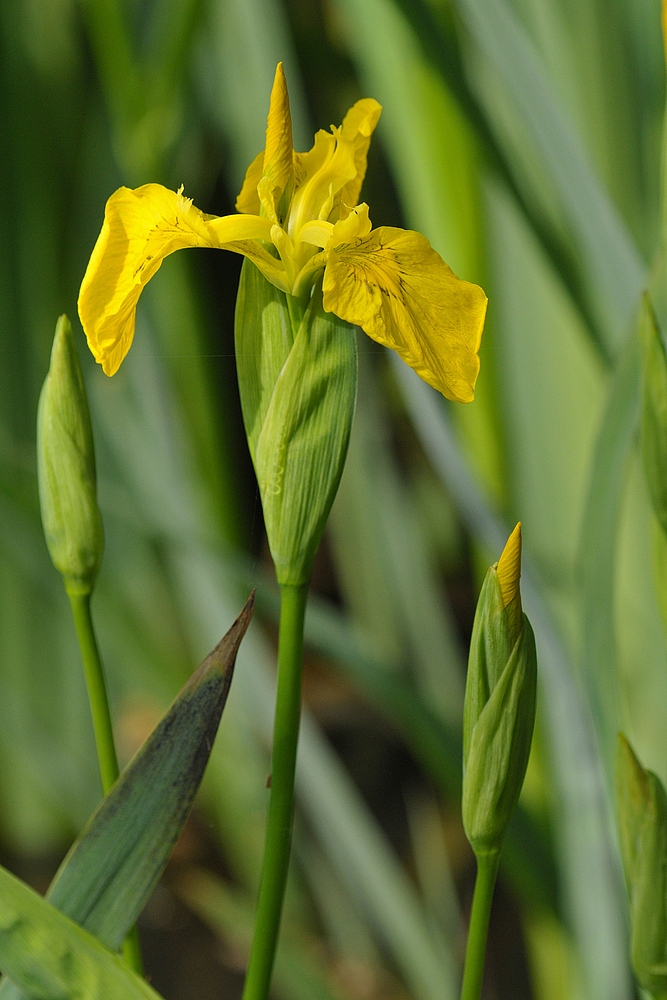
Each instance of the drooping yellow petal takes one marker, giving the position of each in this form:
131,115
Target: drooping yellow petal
394,286
508,570
358,127
140,229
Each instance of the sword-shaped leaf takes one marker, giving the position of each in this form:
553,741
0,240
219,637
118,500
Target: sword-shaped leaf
52,958
113,866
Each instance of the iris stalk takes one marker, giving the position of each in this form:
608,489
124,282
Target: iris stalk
104,741
473,972
281,804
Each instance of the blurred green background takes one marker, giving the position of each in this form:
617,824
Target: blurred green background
523,138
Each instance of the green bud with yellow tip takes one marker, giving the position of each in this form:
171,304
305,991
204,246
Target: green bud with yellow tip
499,707
66,468
654,411
642,824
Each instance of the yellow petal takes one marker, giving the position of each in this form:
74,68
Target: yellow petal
358,127
356,224
248,199
394,286
275,162
140,229
278,153
509,567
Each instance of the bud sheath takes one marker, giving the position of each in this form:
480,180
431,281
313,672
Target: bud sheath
297,372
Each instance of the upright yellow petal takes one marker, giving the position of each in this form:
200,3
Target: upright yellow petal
394,286
278,153
358,127
508,569
276,161
140,229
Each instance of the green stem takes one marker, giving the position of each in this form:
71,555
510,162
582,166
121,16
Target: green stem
99,707
473,972
281,803
97,690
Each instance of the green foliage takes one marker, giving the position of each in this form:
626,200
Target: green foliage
524,140
642,820
51,957
66,468
654,413
115,863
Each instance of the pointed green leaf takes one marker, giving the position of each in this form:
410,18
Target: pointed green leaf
114,865
52,958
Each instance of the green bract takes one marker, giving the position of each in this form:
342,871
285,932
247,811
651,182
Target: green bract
654,412
66,468
498,715
298,383
642,821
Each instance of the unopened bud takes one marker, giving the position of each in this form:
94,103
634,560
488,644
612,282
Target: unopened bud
66,468
499,708
642,822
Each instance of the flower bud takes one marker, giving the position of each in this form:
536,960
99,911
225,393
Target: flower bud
499,707
298,384
642,823
66,468
654,412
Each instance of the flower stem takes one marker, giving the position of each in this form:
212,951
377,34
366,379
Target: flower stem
281,803
473,972
99,707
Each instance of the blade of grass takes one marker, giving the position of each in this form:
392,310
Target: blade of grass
297,975
609,476
609,270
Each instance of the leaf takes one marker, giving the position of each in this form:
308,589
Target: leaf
610,264
52,958
609,477
654,412
109,873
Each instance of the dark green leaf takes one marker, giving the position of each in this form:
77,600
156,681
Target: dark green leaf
112,868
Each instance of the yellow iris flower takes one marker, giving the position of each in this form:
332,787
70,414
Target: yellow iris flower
298,222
